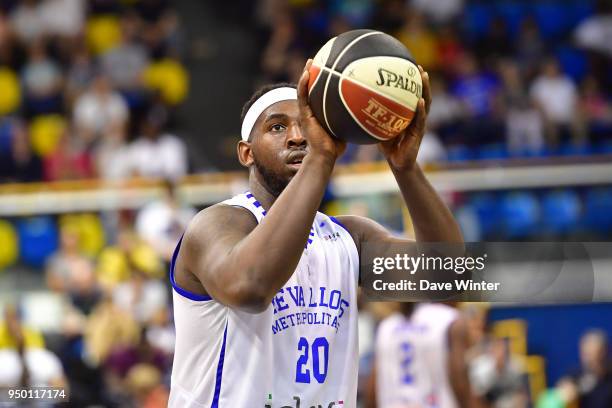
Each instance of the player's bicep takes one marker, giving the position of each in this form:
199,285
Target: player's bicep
365,230
210,246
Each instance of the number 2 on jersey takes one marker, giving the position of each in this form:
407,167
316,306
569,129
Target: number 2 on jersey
319,368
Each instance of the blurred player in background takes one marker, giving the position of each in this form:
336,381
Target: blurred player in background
265,287
421,359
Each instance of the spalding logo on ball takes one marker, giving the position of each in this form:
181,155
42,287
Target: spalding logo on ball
364,86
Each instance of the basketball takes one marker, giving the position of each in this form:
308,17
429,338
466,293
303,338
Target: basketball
364,86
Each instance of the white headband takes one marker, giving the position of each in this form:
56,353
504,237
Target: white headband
264,102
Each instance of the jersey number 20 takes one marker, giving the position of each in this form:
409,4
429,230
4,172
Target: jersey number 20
319,368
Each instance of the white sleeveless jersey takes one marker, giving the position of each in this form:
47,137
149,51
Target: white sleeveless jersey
300,352
412,359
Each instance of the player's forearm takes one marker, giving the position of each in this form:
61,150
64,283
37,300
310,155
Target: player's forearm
432,220
272,251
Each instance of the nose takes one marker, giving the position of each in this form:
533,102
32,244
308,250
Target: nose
295,138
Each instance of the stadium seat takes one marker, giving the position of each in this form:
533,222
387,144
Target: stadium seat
6,136
485,207
10,97
552,18
102,33
573,62
38,238
513,13
493,151
604,147
112,267
9,250
572,149
469,222
578,11
519,214
598,217
46,132
90,231
477,18
170,78
560,211
458,153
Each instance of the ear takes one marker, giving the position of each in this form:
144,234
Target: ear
245,153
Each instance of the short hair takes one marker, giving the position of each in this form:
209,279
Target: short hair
258,94
596,334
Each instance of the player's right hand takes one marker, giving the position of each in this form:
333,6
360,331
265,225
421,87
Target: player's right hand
320,143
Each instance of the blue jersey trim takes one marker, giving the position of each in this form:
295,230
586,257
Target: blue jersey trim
177,288
215,402
335,221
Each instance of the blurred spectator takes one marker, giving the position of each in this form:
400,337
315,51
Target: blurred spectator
431,149
556,96
450,49
124,63
524,125
594,34
439,11
162,223
497,376
389,16
100,111
156,153
144,384
496,42
445,109
66,263
420,40
84,293
30,368
141,296
596,109
112,155
529,47
80,74
15,334
160,332
478,92
108,327
19,164
27,22
275,57
70,160
594,379
24,363
562,396
42,80
123,359
62,18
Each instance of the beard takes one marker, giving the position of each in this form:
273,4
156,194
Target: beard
274,183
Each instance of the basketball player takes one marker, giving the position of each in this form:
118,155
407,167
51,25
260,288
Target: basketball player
420,360
265,287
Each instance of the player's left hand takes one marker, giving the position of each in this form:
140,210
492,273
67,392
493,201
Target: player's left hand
401,151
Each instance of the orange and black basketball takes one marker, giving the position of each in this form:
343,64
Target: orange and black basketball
364,86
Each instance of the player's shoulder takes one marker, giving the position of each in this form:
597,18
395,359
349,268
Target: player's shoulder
217,219
391,322
362,228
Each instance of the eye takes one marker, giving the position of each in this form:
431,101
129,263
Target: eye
277,127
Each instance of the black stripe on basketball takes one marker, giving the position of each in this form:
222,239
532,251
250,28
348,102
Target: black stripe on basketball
341,42
340,119
364,47
316,94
